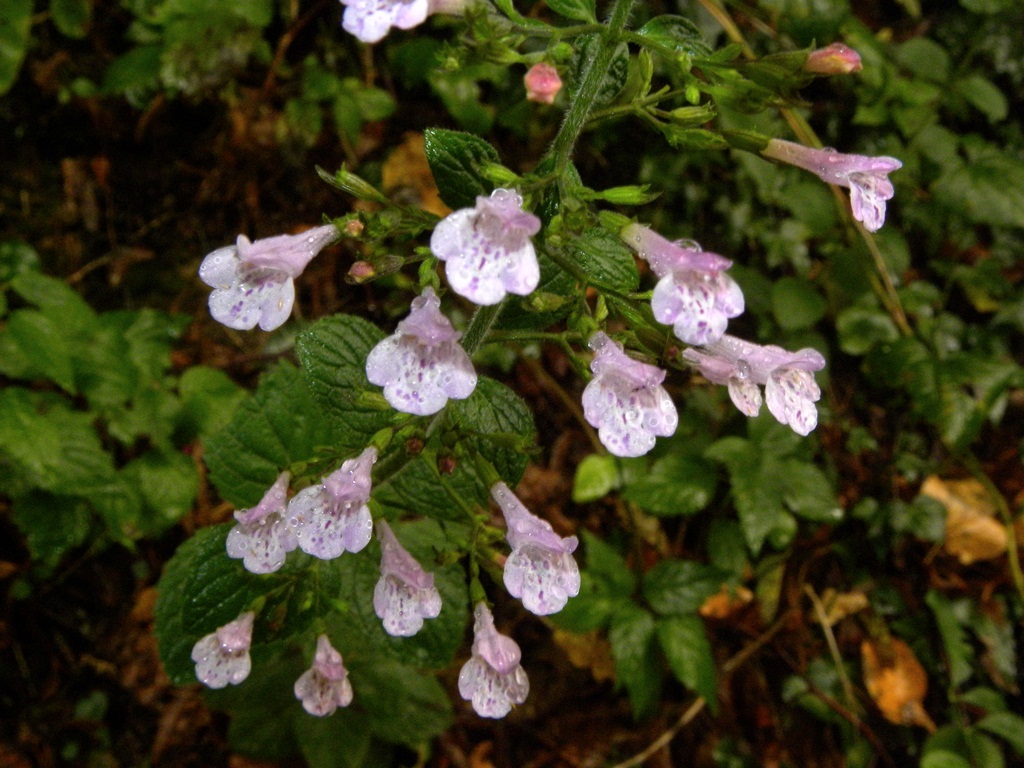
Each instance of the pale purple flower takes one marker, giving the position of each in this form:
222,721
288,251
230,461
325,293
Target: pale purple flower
332,517
421,365
325,685
541,570
493,679
866,177
253,282
487,249
222,657
371,20
694,295
262,536
625,400
834,59
787,377
405,595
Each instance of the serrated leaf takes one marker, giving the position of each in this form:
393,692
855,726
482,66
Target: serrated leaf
677,484
632,635
613,81
209,398
606,260
416,487
580,10
688,652
676,33
333,354
674,587
455,159
958,652
168,484
500,425
606,585
404,707
342,740
279,428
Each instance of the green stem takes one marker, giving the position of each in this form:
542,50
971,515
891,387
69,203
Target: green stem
479,327
594,73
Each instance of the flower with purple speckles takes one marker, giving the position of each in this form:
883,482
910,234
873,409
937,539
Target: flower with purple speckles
222,657
253,282
325,685
693,295
866,177
493,680
333,517
262,536
487,249
422,365
625,401
371,20
541,570
405,595
787,377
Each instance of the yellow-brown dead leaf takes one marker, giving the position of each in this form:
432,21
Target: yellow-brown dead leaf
972,530
406,177
588,651
726,602
896,681
839,605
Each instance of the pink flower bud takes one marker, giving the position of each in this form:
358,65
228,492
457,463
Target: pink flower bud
542,83
835,59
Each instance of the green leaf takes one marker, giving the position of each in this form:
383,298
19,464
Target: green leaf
455,159
678,484
16,256
15,23
55,299
44,345
988,190
984,95
280,428
71,17
606,584
606,260
632,637
168,484
580,10
686,647
342,740
808,493
51,524
614,80
404,707
209,398
958,651
861,328
675,587
135,73
333,354
500,426
676,33
797,303
596,476
1007,726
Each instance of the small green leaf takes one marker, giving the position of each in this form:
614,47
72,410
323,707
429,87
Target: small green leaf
16,256
808,493
988,190
51,524
863,327
1007,726
678,484
44,345
686,647
168,484
675,587
55,299
405,707
958,652
606,261
596,476
614,80
455,159
676,33
797,303
71,17
209,399
15,24
925,58
580,10
984,95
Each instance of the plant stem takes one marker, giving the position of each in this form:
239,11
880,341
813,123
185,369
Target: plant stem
594,73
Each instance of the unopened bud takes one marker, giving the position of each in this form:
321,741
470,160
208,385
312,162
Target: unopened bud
446,464
835,59
360,272
414,446
354,227
542,83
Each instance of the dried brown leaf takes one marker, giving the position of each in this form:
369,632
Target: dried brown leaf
896,681
972,531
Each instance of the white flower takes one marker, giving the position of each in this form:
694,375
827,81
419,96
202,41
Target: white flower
487,249
333,517
625,400
253,281
541,570
405,595
422,365
324,686
262,537
493,679
222,657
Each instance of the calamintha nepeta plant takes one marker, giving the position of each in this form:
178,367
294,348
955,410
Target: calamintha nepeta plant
425,442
